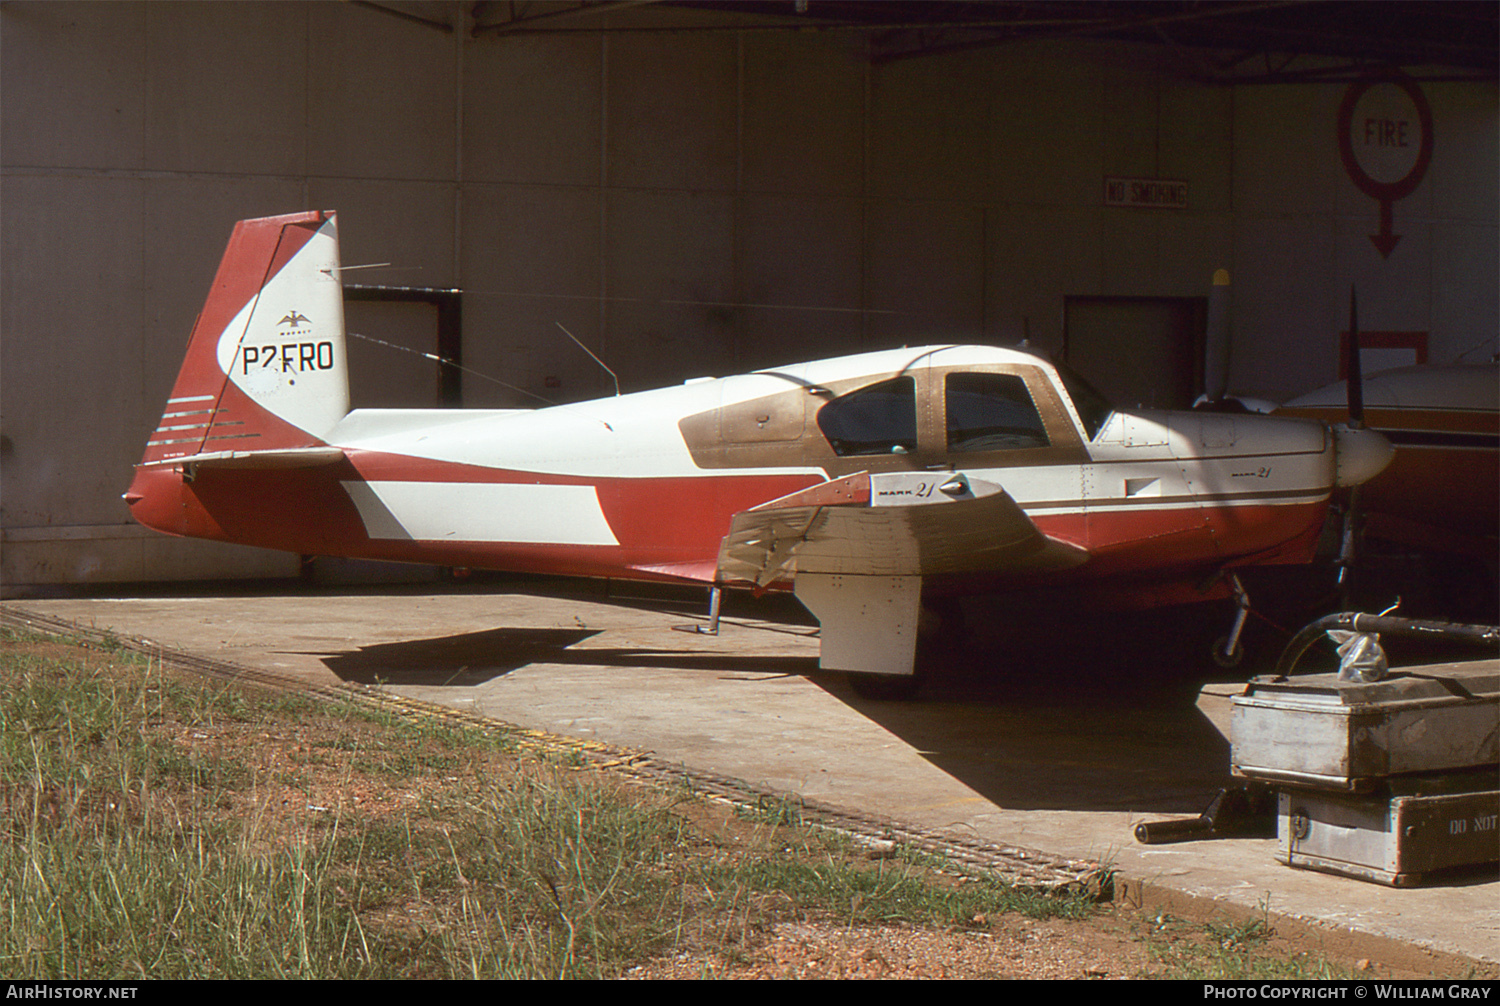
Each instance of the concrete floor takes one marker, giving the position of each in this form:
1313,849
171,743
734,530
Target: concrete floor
1062,744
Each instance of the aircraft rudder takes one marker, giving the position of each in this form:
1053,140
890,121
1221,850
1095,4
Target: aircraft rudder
265,367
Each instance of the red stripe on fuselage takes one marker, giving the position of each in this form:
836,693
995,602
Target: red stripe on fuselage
684,517
1125,541
657,521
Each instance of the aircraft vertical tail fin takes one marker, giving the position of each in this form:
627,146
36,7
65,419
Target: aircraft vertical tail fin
265,369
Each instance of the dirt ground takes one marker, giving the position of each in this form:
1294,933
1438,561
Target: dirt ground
1116,943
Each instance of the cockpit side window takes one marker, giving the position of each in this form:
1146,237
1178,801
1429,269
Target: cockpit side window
879,419
992,412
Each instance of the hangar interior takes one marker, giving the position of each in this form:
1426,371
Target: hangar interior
696,188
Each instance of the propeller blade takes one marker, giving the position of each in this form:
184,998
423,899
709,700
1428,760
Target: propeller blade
1216,356
1354,386
1354,382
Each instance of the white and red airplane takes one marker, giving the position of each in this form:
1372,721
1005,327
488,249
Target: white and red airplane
861,482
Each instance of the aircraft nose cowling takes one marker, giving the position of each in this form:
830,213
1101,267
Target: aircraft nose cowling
1361,454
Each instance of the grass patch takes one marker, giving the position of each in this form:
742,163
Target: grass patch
1232,950
158,827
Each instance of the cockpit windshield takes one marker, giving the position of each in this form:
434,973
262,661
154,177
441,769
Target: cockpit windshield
1093,408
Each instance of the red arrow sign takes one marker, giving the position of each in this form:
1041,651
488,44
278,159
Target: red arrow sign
1385,133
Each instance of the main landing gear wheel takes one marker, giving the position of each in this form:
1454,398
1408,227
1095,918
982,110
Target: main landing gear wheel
1227,651
1226,657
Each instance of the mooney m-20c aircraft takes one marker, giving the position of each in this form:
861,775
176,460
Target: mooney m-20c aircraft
861,482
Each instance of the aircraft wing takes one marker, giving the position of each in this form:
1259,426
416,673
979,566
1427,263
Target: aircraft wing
896,524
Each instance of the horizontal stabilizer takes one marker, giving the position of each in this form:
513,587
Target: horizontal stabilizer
293,457
704,571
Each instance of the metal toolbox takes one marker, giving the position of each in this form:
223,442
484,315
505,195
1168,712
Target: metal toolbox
1393,839
1314,730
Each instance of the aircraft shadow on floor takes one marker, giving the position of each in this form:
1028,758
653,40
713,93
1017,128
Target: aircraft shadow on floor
1090,713
1070,753
1044,735
1087,719
473,658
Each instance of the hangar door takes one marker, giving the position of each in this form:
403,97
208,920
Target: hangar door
393,334
1145,351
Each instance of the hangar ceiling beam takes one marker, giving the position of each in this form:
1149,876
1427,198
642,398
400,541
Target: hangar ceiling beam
520,22
1026,28
442,26
1213,40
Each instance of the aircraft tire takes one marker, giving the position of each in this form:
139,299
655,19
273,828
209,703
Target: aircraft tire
1224,659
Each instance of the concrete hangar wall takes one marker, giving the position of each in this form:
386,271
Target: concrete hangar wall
688,204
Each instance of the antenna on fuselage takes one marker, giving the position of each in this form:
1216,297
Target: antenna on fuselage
368,265
589,351
445,362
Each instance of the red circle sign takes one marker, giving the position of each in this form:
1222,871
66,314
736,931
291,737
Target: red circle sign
1385,192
